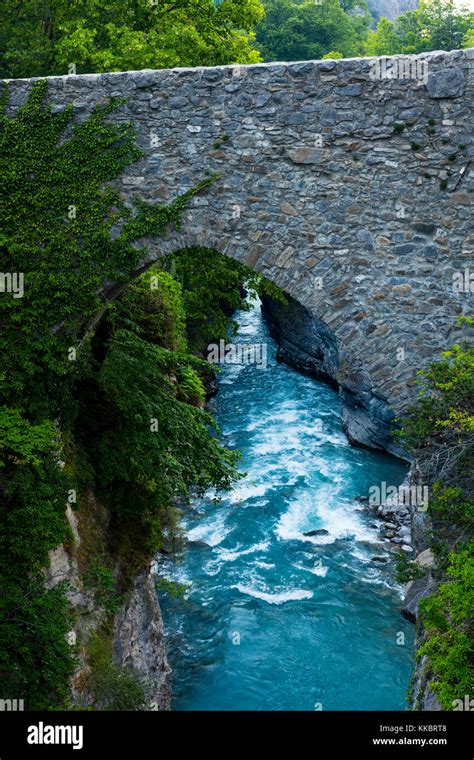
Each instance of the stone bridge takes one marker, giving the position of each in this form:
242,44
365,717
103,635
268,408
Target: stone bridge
345,182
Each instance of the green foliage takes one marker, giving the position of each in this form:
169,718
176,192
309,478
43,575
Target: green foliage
152,447
451,505
407,570
35,659
294,30
32,515
56,219
213,288
383,40
137,537
174,589
117,688
22,442
113,687
190,386
101,579
447,617
152,307
439,432
436,25
468,41
39,38
439,428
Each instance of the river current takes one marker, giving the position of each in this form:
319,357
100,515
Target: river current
270,618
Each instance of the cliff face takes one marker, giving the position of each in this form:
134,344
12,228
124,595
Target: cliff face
87,615
137,627
138,641
421,697
391,8
307,344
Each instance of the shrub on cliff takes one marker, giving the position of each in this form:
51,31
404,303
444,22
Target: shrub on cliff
447,617
439,432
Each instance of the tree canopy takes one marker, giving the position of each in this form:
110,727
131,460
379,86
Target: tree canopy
294,30
41,38
436,25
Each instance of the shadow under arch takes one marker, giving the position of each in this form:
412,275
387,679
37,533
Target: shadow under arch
304,340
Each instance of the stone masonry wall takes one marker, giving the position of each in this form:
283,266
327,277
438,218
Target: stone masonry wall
344,182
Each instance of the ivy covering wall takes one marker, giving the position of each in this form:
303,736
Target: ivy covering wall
118,409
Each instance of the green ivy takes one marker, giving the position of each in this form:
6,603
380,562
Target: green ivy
65,229
438,432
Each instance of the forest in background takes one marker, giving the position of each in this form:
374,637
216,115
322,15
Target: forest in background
44,38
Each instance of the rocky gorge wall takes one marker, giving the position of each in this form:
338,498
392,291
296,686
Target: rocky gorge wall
137,633
347,183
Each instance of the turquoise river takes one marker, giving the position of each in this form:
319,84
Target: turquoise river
271,619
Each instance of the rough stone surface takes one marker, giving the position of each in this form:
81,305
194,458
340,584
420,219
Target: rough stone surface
138,641
416,591
423,698
446,84
306,343
426,559
374,235
88,615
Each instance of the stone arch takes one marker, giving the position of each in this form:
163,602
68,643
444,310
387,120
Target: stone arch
348,187
304,340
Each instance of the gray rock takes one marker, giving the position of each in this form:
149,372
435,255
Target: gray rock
305,155
353,90
415,591
426,559
404,248
138,641
446,83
